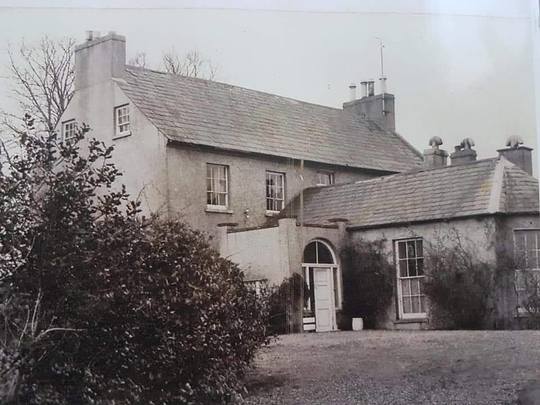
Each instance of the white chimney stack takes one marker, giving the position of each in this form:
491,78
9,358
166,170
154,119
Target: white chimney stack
364,89
382,81
370,88
99,59
352,91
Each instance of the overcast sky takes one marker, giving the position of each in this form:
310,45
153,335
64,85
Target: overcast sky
456,69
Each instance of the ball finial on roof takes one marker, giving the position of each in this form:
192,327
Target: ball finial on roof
467,143
514,141
435,142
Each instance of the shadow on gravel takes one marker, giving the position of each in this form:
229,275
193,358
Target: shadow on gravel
530,394
257,383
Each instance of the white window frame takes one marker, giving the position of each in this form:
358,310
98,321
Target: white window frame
401,313
72,130
217,207
118,131
324,174
275,201
534,271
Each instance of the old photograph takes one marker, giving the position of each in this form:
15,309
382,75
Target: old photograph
269,202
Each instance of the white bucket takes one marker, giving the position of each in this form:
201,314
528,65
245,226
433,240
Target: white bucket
357,324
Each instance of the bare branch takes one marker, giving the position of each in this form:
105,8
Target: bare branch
43,76
139,60
191,65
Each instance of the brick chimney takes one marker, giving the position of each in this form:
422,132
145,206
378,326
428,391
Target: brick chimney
518,154
99,59
374,107
463,153
435,157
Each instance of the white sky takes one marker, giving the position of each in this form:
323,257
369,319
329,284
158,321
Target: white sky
457,68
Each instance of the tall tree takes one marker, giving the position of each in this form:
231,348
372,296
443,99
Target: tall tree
42,76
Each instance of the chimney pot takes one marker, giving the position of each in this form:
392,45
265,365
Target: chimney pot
463,153
370,88
364,88
518,154
435,157
352,91
514,141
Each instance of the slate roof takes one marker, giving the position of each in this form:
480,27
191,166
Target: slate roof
486,186
219,115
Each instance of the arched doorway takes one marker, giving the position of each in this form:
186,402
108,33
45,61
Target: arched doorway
322,295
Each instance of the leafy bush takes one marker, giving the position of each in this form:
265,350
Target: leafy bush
458,284
100,305
367,281
283,303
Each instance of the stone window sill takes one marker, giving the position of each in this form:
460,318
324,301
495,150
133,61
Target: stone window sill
271,213
412,320
123,135
215,210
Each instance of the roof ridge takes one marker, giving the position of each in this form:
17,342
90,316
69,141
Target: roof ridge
495,202
233,86
401,174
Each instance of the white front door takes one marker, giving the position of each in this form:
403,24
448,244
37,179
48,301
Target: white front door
325,313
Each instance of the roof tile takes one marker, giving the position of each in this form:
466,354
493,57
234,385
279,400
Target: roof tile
427,194
220,115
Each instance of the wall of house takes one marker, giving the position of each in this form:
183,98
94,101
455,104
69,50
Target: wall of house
140,156
268,262
477,233
247,184
274,253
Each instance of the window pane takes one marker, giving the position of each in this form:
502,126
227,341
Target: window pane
412,267
217,184
415,305
422,304
411,249
407,305
309,253
419,248
420,266
324,255
406,287
415,287
401,250
274,191
532,257
531,241
520,240
403,268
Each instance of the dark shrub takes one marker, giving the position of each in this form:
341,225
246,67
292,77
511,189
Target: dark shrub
101,306
458,285
367,281
284,304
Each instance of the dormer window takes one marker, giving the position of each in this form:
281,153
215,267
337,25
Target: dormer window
121,117
69,130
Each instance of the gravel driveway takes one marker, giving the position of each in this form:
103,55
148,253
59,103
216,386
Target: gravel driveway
386,367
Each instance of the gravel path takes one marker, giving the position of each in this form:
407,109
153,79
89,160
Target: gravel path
386,367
